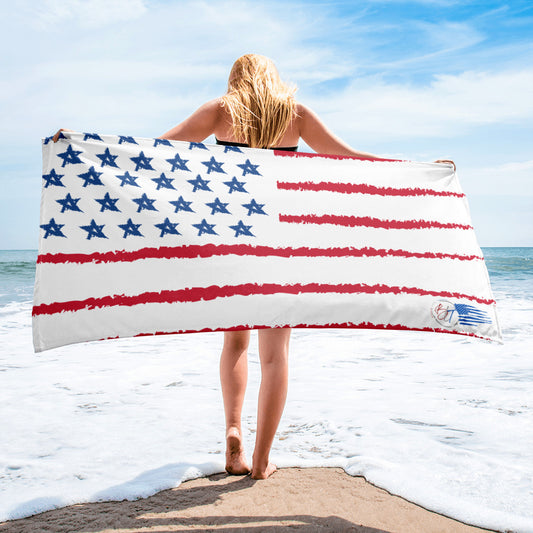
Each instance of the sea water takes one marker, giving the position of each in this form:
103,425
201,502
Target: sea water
442,420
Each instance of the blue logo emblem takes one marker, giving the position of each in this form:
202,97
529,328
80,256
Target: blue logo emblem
448,314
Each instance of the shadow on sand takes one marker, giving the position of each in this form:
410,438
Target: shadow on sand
181,510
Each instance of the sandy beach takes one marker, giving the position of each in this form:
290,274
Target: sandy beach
303,499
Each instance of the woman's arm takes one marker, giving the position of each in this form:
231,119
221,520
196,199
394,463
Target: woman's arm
198,126
323,141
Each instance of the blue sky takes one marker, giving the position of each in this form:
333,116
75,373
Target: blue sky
416,80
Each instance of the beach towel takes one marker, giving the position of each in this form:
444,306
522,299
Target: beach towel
144,236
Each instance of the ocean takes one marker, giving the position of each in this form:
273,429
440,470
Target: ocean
443,420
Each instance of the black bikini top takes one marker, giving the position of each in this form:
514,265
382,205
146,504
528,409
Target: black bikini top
229,143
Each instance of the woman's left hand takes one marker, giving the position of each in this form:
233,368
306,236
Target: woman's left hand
446,161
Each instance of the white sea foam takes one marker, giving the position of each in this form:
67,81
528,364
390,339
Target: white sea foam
445,421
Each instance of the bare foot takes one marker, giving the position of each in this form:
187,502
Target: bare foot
235,460
264,473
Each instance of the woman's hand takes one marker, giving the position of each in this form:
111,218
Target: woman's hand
446,161
55,138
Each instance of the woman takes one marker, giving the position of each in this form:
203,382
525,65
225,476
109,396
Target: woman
259,111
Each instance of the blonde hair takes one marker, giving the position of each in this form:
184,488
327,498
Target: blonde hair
260,104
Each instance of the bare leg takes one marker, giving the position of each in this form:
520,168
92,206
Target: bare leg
233,379
274,355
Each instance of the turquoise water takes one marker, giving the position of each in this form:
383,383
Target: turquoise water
17,273
511,263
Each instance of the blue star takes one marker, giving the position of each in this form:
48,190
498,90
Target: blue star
217,207
204,227
168,227
94,230
178,163
236,185
91,177
199,183
126,139
141,161
164,142
53,179
108,203
241,229
70,156
52,228
131,229
144,203
107,158
164,182
213,166
181,205
94,136
232,149
128,179
254,207
198,145
70,204
248,168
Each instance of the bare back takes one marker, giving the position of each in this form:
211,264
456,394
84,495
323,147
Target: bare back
212,118
223,129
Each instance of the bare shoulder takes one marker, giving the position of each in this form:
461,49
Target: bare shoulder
208,114
304,110
305,115
301,110
213,107
198,126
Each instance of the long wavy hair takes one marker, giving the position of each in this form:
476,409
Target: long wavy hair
260,104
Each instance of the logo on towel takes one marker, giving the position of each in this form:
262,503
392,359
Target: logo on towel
448,314
444,313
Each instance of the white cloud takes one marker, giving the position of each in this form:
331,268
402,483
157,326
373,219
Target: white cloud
139,71
443,37
135,72
85,13
449,105
517,166
510,178
165,59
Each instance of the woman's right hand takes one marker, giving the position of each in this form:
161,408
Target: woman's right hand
449,161
55,138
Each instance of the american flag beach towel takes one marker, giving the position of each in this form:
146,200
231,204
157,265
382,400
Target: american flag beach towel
148,236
